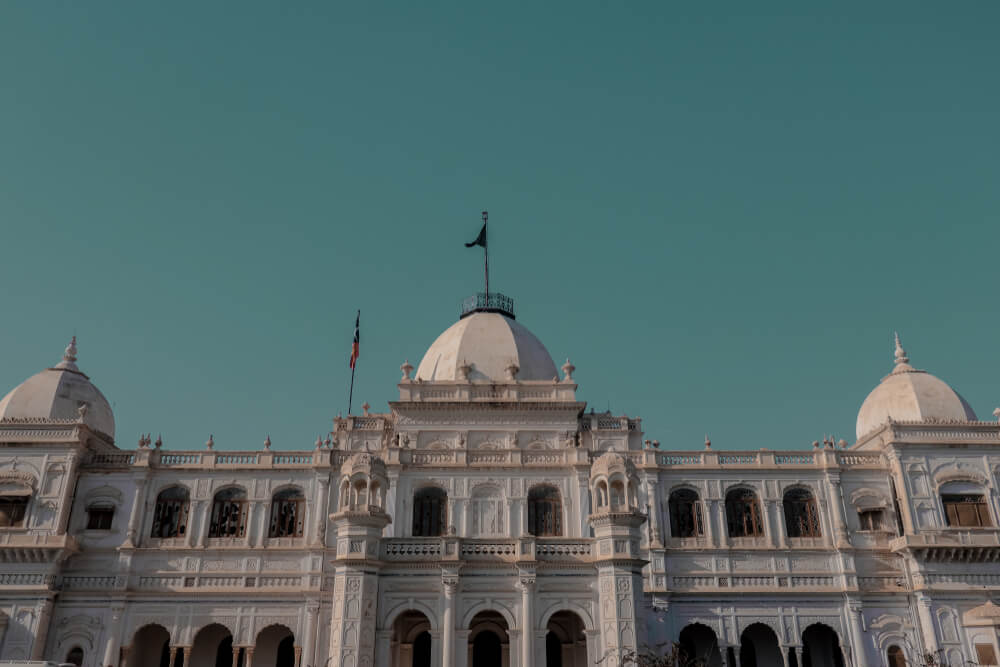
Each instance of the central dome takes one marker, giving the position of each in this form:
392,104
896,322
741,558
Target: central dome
488,343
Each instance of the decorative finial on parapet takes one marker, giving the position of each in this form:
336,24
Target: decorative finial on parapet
567,370
142,441
327,442
512,370
464,370
996,413
159,441
81,411
319,442
70,353
365,407
708,443
902,361
267,442
815,444
407,369
656,444
842,443
211,442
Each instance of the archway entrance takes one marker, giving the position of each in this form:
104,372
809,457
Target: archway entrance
565,643
700,645
274,647
213,647
759,647
489,643
150,647
821,647
411,640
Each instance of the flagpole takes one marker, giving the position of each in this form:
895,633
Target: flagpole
486,251
350,393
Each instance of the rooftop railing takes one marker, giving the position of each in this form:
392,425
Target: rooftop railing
494,302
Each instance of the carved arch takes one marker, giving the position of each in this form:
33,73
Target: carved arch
956,472
488,605
570,606
409,605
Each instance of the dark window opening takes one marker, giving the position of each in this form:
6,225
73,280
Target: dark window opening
896,657
75,656
743,514
986,654
544,512
171,514
685,514
229,514
99,518
13,509
430,512
287,514
801,514
873,519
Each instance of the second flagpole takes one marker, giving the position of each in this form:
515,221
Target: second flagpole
486,251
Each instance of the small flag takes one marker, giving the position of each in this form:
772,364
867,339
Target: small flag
356,345
480,240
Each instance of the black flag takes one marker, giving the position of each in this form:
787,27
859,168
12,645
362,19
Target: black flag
480,240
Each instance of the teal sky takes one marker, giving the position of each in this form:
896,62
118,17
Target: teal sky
719,211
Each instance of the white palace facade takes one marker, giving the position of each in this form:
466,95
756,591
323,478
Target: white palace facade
489,519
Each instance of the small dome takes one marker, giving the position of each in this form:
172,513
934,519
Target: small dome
365,463
610,463
489,343
908,394
59,393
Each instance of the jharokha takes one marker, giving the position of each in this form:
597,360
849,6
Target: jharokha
489,519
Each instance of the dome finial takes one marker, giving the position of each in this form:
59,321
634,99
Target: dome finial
902,362
70,353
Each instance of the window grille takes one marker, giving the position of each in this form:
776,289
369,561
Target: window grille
100,517
685,514
966,510
743,514
229,514
13,510
287,514
801,514
170,516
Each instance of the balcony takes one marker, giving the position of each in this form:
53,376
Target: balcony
960,545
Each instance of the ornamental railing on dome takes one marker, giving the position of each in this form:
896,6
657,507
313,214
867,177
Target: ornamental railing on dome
494,302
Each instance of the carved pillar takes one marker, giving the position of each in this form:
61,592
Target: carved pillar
584,494
654,512
927,623
322,515
298,656
43,612
113,645
859,652
463,649
185,656
250,535
309,640
798,655
527,585
248,655
449,582
384,646
204,518
396,528
236,655
173,656
837,510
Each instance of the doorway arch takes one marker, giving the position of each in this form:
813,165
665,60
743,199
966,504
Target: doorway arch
489,641
411,640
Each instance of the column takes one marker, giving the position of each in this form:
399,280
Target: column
298,656
186,657
406,653
463,649
248,654
837,510
204,517
43,611
449,583
322,513
67,501
720,513
858,649
112,647
527,584
309,640
173,656
383,649
654,512
236,655
248,538
798,656
779,530
584,504
927,624
139,503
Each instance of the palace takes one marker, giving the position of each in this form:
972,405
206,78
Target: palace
489,519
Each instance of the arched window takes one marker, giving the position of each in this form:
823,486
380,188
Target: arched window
13,510
685,514
743,514
801,514
617,494
430,512
100,516
75,656
171,514
965,505
229,513
287,514
895,656
544,511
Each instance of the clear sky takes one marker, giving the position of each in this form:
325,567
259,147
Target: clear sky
719,211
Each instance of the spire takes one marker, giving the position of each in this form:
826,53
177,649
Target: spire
902,361
69,357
